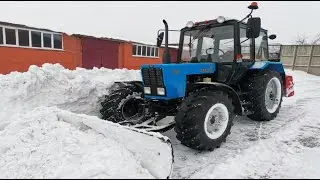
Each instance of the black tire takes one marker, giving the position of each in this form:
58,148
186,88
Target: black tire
115,104
191,117
257,88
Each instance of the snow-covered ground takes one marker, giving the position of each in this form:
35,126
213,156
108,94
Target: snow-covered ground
287,147
49,129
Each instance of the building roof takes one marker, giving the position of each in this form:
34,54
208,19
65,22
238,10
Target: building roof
110,39
24,26
101,38
171,46
76,35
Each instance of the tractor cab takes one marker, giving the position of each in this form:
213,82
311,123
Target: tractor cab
208,41
222,40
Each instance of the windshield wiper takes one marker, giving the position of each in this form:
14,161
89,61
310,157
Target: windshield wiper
200,33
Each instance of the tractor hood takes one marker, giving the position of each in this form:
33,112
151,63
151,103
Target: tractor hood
171,77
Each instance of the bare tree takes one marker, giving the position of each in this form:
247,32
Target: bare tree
301,40
316,40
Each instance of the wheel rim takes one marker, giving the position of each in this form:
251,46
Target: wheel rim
133,110
273,95
216,121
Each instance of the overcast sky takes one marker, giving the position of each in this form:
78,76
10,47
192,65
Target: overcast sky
140,21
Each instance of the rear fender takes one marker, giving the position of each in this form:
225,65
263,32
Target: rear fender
264,65
226,88
278,67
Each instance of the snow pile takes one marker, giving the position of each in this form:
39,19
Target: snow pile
79,91
47,129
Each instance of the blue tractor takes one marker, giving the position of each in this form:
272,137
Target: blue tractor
222,71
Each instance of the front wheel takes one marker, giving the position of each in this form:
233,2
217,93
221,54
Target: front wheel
125,103
204,120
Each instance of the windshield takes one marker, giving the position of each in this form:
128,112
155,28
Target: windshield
213,44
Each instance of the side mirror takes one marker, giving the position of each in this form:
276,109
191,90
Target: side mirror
272,36
160,39
253,27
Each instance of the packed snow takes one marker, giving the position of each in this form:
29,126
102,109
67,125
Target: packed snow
286,147
50,128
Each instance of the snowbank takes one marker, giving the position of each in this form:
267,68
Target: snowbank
79,91
49,128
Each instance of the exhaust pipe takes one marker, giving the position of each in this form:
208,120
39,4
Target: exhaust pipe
166,55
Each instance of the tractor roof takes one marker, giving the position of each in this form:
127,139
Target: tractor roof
215,21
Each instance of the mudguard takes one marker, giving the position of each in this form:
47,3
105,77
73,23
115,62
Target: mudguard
276,66
226,88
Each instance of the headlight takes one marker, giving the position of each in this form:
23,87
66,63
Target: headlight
221,19
190,24
147,90
160,91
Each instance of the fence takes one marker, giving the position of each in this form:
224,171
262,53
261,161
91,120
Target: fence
301,57
274,51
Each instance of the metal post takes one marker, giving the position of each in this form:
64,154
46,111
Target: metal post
280,53
294,56
310,58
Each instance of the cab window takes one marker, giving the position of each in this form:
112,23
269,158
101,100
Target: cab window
261,46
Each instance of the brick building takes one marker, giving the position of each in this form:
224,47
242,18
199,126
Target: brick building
22,46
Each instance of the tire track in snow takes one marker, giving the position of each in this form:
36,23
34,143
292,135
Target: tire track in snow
291,153
244,134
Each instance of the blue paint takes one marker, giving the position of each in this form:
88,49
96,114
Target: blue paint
276,66
175,77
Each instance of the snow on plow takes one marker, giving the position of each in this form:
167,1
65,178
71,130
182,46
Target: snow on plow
54,143
50,128
153,150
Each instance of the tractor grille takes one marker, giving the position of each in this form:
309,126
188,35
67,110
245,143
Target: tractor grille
153,78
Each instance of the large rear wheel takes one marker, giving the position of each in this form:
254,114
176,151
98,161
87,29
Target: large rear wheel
266,93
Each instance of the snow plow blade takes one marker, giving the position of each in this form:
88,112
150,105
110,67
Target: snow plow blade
153,150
